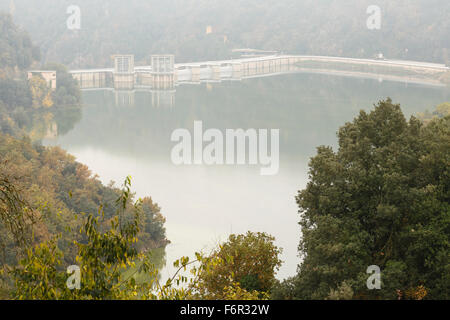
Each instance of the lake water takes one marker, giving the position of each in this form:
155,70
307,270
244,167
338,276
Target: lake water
128,133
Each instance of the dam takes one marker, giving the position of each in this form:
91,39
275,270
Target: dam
164,74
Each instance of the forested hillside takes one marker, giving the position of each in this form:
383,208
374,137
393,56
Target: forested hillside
61,188
410,29
45,184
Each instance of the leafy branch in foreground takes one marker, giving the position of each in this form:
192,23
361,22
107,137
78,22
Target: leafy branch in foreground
102,257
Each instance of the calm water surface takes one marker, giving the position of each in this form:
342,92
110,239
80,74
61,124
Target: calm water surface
128,133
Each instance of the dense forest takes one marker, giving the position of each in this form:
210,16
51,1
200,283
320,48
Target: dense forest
410,29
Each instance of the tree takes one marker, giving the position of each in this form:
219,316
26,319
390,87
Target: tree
381,199
247,261
67,93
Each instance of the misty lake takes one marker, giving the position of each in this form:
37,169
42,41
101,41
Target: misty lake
128,133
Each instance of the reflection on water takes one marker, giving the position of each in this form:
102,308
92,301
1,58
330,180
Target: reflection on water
128,133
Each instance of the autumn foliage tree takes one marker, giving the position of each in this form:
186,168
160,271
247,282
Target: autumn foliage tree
248,261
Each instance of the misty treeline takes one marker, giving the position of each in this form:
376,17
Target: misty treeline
410,29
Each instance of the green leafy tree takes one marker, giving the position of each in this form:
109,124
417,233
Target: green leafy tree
381,199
